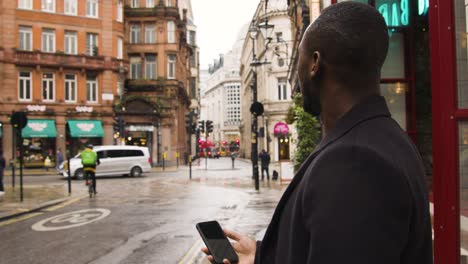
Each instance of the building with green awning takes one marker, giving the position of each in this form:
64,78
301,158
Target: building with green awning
39,128
85,128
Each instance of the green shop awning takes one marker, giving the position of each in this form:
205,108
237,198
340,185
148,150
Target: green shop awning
39,128
86,128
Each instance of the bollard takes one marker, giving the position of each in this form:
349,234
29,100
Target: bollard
190,167
13,174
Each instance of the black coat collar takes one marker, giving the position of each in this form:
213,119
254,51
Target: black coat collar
369,108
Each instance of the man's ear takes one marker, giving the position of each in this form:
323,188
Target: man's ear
315,65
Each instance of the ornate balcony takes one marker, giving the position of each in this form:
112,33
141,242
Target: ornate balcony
150,85
157,11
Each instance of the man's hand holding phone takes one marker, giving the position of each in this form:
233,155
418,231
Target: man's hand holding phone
244,247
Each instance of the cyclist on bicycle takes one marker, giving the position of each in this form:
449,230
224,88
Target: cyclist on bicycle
90,160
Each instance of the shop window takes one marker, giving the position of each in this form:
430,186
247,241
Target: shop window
91,89
48,87
150,67
48,40
25,38
171,32
171,66
150,34
283,143
25,86
70,7
48,6
71,42
135,68
394,66
395,95
70,88
25,4
91,8
135,34
119,11
91,44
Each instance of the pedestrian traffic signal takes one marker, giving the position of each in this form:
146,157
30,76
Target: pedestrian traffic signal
209,126
188,121
119,125
202,126
193,128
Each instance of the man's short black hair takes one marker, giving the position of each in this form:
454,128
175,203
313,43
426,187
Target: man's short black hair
350,36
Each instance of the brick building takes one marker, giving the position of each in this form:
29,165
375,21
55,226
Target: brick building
73,65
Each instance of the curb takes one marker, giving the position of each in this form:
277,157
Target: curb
38,208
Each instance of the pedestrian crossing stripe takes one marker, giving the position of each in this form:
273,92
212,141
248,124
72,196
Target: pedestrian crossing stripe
191,255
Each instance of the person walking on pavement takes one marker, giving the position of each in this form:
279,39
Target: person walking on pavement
90,160
58,159
360,197
265,162
2,168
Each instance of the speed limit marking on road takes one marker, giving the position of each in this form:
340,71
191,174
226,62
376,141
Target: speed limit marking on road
71,220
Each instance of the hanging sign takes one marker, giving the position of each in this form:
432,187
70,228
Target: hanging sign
281,129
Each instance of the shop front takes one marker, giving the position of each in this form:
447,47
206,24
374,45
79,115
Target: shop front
282,136
80,133
39,137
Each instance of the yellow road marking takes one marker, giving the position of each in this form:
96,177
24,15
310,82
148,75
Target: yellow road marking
193,252
61,205
19,219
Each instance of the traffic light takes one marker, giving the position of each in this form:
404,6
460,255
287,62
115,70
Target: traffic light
188,121
193,128
119,125
202,126
209,126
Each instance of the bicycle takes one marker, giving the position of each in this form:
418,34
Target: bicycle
89,183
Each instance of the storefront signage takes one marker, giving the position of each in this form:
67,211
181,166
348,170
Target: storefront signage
37,126
36,108
395,12
423,7
281,129
140,128
87,127
84,109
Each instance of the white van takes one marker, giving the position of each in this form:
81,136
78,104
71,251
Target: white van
115,160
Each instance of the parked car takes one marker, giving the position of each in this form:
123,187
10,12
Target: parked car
115,161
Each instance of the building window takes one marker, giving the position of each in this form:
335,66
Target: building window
25,38
24,86
25,4
48,6
91,44
279,36
135,3
150,34
192,37
149,3
91,8
282,89
135,34
193,61
150,67
119,11
171,66
70,43
135,68
168,2
70,7
48,87
119,48
70,88
91,89
171,32
48,40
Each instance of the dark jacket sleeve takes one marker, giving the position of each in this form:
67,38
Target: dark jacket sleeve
257,253
357,208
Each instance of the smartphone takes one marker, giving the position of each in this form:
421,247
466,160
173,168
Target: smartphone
216,242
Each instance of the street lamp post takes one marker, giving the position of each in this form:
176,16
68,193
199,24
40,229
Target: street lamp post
257,108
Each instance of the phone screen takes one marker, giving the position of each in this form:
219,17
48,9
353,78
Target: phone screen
216,241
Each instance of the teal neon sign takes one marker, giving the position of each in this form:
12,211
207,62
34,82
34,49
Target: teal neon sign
395,12
423,7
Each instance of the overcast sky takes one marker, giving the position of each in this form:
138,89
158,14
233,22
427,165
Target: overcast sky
218,23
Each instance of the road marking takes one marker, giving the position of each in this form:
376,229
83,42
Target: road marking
71,219
193,252
19,219
61,205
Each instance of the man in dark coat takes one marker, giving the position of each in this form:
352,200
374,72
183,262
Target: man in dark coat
265,162
360,197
